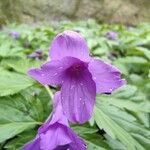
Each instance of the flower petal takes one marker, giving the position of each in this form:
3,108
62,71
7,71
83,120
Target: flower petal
33,145
59,137
55,136
77,142
69,43
78,97
106,77
64,147
52,72
58,115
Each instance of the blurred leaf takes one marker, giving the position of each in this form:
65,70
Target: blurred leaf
20,65
11,83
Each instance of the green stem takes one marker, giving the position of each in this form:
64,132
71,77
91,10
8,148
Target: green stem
49,91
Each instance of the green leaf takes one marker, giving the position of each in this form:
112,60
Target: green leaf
20,140
11,83
130,105
95,142
11,129
10,48
115,131
15,117
132,60
20,65
84,129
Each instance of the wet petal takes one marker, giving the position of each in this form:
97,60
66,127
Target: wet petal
52,72
55,136
77,142
58,115
106,77
78,97
64,147
33,145
69,43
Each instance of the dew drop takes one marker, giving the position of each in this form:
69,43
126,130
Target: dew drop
55,74
94,78
42,74
72,87
110,90
61,67
80,98
81,84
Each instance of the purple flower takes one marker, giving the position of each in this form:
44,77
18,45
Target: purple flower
14,34
79,75
38,51
112,35
37,54
55,134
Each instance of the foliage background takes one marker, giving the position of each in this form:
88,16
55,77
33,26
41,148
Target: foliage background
120,121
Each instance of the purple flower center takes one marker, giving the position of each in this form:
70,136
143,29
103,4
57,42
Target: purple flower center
76,70
64,147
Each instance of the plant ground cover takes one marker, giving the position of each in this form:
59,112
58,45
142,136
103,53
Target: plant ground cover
120,121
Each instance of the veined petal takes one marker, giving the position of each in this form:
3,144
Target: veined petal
77,142
58,115
33,145
64,147
55,136
106,77
69,43
61,137
78,97
52,72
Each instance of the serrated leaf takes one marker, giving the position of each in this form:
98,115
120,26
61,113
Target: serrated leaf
20,140
11,129
15,117
130,105
115,130
95,142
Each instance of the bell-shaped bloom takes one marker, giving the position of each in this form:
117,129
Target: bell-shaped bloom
55,134
79,75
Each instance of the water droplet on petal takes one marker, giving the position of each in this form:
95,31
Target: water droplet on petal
42,74
110,90
80,98
81,84
72,86
61,67
55,74
94,78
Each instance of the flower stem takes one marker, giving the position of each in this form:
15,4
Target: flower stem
49,91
